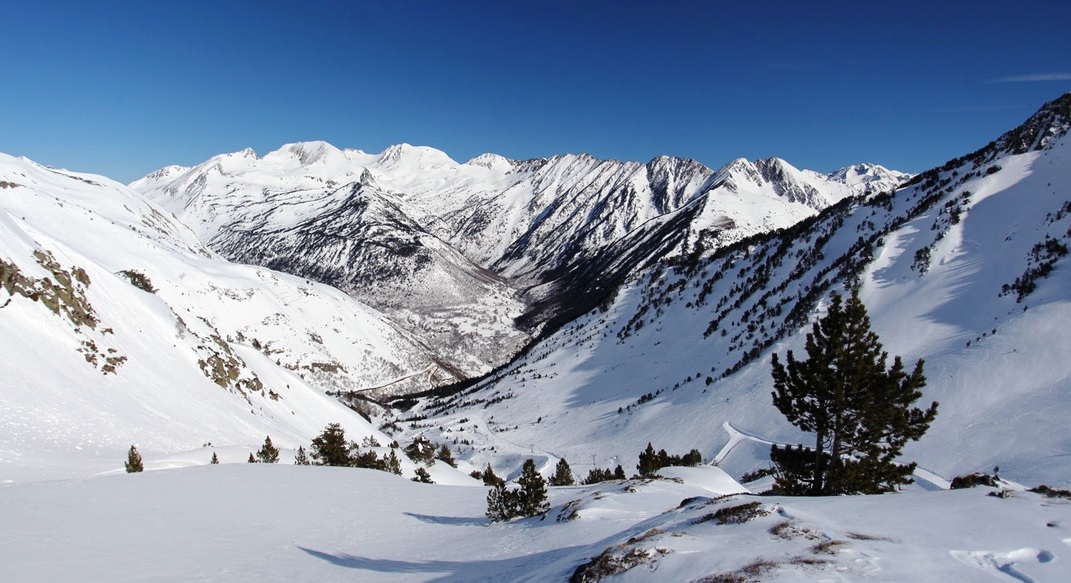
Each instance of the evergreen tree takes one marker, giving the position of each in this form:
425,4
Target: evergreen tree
133,462
563,474
596,475
422,476
215,459
532,496
859,411
489,478
619,473
445,456
330,447
692,458
268,453
301,458
367,459
650,462
251,459
501,503
421,450
394,465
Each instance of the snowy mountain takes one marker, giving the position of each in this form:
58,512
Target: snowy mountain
492,246
964,267
119,327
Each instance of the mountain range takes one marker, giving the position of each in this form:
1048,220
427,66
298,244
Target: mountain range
567,308
473,259
608,298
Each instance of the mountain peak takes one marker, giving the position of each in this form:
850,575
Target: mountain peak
243,154
309,152
868,177
424,156
1050,123
166,172
492,162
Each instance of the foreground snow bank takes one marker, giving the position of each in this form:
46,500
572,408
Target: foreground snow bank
246,522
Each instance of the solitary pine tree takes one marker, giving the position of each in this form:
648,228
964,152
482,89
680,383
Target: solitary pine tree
859,411
251,460
268,453
133,462
532,496
215,459
563,474
330,448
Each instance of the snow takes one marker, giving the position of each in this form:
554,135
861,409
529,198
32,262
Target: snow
594,392
257,522
997,367
63,416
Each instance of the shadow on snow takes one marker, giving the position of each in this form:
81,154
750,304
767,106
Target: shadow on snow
520,568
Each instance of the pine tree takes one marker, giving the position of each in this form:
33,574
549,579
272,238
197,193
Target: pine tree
649,462
330,448
421,450
268,453
501,503
445,456
394,465
532,496
422,476
133,461
251,459
301,458
692,458
489,478
619,473
563,474
596,475
215,459
859,411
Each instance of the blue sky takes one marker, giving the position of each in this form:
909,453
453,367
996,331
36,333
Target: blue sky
123,88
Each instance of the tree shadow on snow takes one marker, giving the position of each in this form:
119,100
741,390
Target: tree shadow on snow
512,569
451,520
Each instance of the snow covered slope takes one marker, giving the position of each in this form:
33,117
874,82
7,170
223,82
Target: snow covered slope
117,327
456,253
965,267
245,522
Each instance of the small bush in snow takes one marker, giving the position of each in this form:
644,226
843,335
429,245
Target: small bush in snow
133,461
422,476
139,280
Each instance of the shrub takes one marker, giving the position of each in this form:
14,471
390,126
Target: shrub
133,461
138,280
972,480
422,476
268,453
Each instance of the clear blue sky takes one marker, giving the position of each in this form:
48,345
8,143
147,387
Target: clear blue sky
123,88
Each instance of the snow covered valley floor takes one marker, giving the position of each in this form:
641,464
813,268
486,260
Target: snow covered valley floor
264,522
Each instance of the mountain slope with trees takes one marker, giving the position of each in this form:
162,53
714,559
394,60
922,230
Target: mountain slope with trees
964,267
